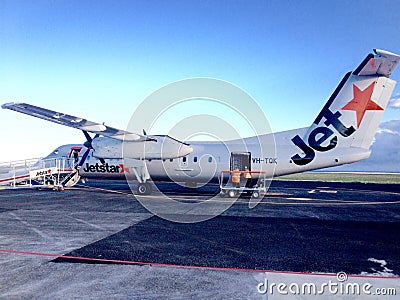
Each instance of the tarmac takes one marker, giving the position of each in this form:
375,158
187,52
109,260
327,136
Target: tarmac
98,240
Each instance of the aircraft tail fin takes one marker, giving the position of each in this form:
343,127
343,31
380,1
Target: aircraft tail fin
355,108
350,118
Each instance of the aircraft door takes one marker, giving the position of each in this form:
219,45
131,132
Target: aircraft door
240,160
74,155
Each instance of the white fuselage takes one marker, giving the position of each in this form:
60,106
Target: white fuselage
270,154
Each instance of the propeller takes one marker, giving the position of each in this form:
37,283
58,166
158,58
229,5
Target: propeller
88,145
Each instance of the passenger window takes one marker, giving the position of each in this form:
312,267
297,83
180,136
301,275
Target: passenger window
184,159
195,159
210,159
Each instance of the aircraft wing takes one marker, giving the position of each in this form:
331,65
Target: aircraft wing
75,122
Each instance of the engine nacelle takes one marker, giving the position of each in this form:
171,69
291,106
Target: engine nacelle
158,147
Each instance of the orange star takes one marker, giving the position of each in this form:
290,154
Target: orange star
362,102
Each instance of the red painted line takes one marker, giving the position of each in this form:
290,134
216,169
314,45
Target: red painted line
12,178
252,172
105,175
129,262
64,170
26,176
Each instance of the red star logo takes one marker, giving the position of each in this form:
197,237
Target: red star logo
362,102
124,169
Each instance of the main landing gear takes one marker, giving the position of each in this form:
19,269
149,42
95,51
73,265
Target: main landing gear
139,168
144,188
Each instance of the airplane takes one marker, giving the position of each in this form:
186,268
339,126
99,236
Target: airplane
342,133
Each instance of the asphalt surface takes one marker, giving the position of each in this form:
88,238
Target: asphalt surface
65,238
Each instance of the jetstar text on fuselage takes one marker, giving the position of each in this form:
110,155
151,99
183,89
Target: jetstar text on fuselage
103,168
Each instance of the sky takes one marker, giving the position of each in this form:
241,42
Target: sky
100,59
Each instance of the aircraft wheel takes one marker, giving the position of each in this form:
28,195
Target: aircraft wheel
144,189
256,194
232,193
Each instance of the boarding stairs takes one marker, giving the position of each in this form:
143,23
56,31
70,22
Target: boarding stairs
50,173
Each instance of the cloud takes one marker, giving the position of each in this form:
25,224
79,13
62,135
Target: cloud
385,152
392,126
394,102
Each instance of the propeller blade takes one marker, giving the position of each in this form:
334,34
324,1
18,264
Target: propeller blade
88,143
83,159
87,136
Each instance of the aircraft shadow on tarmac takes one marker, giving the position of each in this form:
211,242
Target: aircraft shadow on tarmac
299,245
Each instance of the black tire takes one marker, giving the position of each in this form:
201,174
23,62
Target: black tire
232,193
144,189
